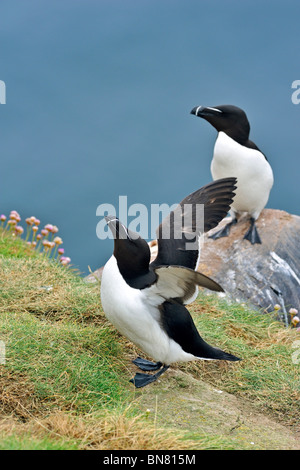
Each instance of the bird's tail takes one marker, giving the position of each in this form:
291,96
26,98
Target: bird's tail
214,353
227,356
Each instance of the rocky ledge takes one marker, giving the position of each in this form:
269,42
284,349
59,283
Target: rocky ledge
258,275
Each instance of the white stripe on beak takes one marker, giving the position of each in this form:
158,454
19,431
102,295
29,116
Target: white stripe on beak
213,109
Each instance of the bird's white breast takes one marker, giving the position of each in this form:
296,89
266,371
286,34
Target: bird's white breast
135,314
253,172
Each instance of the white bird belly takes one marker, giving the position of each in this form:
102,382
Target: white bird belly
135,315
253,172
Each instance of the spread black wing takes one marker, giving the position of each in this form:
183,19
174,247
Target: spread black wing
216,197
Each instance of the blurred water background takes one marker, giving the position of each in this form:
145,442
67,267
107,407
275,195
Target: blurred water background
98,100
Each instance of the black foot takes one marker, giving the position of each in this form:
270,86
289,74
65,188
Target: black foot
143,364
141,380
224,232
252,234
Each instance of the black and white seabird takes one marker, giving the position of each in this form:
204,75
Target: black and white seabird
146,301
236,155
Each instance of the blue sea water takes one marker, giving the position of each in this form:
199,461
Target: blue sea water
98,100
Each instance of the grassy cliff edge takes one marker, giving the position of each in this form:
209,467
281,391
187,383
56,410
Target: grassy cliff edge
64,381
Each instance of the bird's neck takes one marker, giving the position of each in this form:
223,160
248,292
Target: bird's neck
241,136
135,275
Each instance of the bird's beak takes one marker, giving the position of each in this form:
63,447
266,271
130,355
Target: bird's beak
110,219
117,228
203,111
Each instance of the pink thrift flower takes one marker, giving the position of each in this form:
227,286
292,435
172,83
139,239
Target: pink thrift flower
61,251
19,229
295,320
14,214
3,218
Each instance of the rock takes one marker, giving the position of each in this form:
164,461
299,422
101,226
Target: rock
258,275
94,276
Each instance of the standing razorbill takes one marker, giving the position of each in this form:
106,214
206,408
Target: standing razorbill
145,302
236,155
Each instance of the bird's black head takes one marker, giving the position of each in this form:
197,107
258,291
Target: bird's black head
227,118
131,252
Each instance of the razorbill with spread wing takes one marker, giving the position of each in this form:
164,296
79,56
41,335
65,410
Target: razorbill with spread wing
145,302
236,155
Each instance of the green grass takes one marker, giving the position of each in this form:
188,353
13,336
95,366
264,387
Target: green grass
71,365
45,288
29,442
14,247
266,374
62,356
